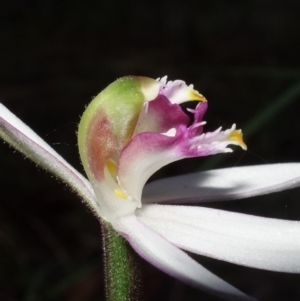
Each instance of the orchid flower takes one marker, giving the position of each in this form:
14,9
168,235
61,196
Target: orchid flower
133,128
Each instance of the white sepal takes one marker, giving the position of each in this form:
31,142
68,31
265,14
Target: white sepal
173,261
25,140
224,184
252,241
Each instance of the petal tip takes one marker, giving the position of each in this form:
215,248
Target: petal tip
195,95
237,136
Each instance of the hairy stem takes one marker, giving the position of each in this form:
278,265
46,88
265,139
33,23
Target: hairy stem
122,279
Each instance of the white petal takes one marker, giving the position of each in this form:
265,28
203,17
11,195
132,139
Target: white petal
252,241
20,136
165,256
224,184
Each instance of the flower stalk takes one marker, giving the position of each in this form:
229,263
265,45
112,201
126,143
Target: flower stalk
122,279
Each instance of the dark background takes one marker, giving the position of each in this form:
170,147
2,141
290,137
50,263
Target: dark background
56,55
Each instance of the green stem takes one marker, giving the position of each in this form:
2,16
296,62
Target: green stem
120,262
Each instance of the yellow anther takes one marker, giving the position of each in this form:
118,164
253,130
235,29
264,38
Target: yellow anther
121,193
195,95
112,167
238,137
